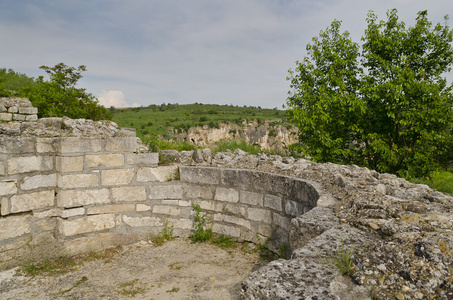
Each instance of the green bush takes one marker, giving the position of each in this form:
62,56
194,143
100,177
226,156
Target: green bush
440,180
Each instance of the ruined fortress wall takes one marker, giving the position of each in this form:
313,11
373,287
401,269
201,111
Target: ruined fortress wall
64,195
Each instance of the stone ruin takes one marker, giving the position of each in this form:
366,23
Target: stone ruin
68,186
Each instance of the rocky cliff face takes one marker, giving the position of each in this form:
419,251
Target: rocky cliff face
267,135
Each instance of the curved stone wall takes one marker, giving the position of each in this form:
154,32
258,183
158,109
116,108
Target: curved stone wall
68,195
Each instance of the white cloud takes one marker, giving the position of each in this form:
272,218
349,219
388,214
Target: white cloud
112,98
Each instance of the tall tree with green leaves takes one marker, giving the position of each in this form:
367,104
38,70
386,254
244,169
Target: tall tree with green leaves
383,104
60,97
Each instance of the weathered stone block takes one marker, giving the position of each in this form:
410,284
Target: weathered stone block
166,210
239,177
251,198
78,181
6,117
39,181
79,145
107,160
8,187
165,192
16,145
117,176
226,230
143,159
29,164
126,144
71,198
225,194
143,207
28,110
86,224
258,214
14,226
159,174
233,220
211,205
129,193
235,209
198,192
69,163
18,117
283,222
45,145
37,200
293,208
181,224
72,212
200,175
142,221
31,118
108,209
274,202
4,206
2,168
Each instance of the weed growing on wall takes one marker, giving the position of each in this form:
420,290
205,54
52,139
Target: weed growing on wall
342,259
166,234
201,232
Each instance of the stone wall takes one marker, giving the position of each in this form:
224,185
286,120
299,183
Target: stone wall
17,109
74,194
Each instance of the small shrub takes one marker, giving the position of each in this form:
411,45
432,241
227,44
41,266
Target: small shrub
203,119
201,233
342,259
166,234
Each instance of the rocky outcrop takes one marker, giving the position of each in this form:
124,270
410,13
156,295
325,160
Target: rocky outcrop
267,135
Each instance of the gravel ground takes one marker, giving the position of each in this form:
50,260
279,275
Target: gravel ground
175,270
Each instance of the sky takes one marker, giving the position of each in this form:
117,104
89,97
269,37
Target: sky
142,52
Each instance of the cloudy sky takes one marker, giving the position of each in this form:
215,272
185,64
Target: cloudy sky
142,52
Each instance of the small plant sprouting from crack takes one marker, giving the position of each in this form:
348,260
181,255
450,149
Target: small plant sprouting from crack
166,234
128,288
201,233
342,259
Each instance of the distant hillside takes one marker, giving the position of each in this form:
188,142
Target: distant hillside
168,118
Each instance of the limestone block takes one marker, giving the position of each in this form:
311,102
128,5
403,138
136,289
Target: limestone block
78,181
108,209
233,220
31,118
72,212
182,224
160,174
37,200
117,176
4,205
47,224
28,110
226,194
69,163
283,222
198,192
293,208
274,202
107,160
39,181
165,192
265,230
16,145
226,230
18,117
251,198
116,144
79,145
235,177
2,168
258,214
311,225
8,187
235,209
3,108
49,213
142,221
143,159
71,198
86,224
143,207
45,145
14,226
211,205
13,109
200,175
29,164
129,193
166,210
6,117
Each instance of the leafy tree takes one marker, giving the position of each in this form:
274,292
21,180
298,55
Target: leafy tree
11,83
384,104
59,96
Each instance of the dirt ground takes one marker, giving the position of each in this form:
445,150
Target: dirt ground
175,270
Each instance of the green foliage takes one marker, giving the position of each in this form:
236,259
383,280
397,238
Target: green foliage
342,259
232,145
387,107
156,144
201,232
223,241
11,83
439,179
166,234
